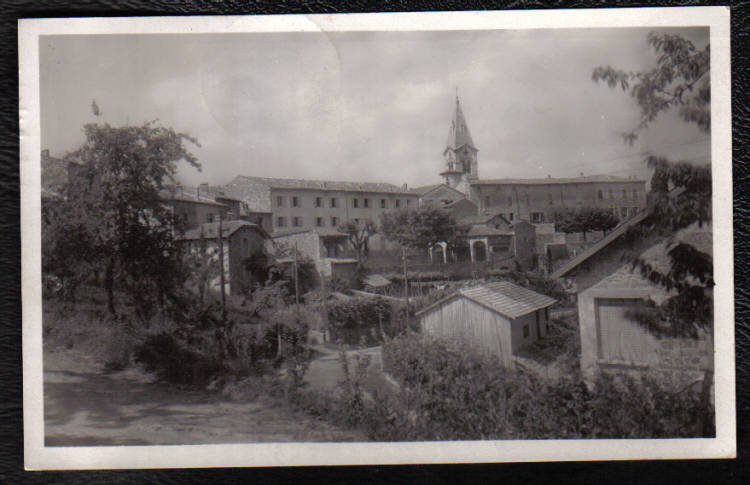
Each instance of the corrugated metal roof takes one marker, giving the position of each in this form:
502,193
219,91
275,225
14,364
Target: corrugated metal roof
504,297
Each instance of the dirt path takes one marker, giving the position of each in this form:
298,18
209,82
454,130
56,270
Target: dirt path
87,407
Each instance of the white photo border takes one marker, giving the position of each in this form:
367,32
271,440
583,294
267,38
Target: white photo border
37,456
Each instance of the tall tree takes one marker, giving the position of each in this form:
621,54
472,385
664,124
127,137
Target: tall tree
585,220
114,203
680,192
681,79
359,233
419,228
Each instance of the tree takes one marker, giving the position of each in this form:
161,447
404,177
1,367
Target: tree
680,192
419,228
585,220
358,233
114,216
681,78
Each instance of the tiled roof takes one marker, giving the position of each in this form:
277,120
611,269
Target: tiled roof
628,278
483,218
484,230
376,280
569,180
504,297
320,231
278,183
600,244
508,298
211,230
187,194
424,189
289,232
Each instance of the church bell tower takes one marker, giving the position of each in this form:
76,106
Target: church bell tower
460,154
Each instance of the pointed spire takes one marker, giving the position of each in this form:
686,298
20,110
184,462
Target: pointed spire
459,133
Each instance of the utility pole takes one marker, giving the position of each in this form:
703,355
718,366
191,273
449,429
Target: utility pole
221,274
406,290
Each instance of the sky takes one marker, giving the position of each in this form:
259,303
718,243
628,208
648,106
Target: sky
367,106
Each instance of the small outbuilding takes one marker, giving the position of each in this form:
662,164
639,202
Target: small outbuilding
497,318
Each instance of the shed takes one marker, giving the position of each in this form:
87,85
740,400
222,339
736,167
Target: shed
376,282
612,339
497,318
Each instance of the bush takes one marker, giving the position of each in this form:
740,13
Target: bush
164,355
362,320
450,393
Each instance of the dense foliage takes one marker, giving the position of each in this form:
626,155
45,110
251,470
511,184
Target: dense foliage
358,234
680,191
420,228
585,220
362,320
112,221
681,78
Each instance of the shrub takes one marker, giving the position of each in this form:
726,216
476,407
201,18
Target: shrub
362,320
450,393
164,355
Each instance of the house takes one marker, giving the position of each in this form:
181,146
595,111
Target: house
606,255
191,209
56,173
611,337
239,241
327,248
498,319
491,237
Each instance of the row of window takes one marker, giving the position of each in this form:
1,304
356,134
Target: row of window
299,221
633,194
333,202
620,212
610,194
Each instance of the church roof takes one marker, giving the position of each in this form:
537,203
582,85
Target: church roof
459,134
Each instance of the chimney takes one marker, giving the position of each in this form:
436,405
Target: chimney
404,187
549,176
202,188
581,174
45,154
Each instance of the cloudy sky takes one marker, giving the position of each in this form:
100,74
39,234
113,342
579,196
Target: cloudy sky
366,106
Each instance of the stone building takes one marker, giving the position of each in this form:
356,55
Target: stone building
532,200
239,240
327,249
321,205
190,209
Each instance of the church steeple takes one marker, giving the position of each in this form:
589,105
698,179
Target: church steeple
460,154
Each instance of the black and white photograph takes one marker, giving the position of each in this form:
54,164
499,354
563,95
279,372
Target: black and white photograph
377,238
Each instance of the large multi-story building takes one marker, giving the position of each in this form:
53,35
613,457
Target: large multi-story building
319,205
536,200
533,200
